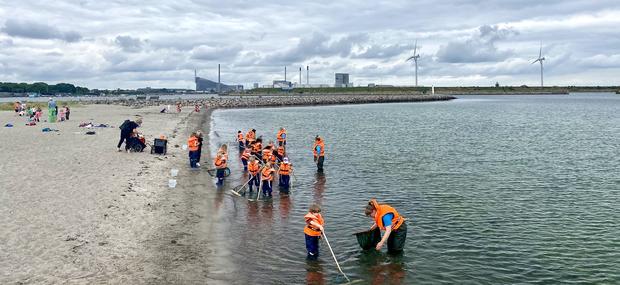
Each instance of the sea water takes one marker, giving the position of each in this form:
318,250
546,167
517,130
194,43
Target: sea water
495,190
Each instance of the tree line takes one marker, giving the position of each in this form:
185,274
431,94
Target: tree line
42,88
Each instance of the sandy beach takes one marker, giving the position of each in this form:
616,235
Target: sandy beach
75,210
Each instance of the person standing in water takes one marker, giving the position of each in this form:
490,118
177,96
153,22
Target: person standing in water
284,173
240,140
313,230
319,152
254,169
220,166
267,177
281,137
387,219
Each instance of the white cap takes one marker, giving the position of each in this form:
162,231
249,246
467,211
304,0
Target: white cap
285,160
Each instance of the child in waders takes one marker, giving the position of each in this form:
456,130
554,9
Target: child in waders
267,177
199,154
284,174
254,169
319,153
313,230
240,141
220,166
245,156
193,146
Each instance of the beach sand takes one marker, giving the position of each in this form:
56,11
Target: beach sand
74,210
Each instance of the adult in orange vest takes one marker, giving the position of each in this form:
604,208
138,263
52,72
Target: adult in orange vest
387,219
254,169
220,167
240,140
318,150
285,175
266,176
266,154
193,145
257,147
281,137
313,230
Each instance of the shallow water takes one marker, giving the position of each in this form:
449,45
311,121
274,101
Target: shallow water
496,190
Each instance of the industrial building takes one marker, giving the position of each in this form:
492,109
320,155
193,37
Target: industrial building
342,80
206,85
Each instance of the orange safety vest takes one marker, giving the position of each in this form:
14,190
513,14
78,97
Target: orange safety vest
384,209
310,229
239,137
280,135
254,167
220,162
266,173
257,147
246,154
281,151
285,168
192,143
321,143
266,154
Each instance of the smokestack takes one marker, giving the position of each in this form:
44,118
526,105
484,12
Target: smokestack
307,75
218,78
284,73
196,79
300,76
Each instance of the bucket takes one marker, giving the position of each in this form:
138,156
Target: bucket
172,183
174,172
184,147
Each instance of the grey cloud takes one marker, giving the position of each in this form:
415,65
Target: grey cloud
34,30
128,43
480,47
382,51
205,52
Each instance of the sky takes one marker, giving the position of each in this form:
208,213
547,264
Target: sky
132,44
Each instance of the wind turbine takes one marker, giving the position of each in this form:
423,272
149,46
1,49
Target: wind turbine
540,59
415,58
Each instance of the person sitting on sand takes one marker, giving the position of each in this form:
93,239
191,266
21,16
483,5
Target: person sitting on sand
127,129
312,231
387,219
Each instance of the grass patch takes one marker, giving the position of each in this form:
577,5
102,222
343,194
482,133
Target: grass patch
8,106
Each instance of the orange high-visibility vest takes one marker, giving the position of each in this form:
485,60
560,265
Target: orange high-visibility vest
280,135
253,167
321,143
285,168
310,229
249,136
384,209
246,154
266,173
266,154
220,162
192,143
256,148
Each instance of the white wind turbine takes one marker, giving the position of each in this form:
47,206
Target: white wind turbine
540,59
415,58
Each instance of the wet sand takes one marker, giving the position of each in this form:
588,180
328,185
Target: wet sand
75,210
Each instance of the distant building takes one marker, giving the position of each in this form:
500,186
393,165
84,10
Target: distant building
342,80
281,84
203,84
255,85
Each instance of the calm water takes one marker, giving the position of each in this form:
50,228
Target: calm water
497,190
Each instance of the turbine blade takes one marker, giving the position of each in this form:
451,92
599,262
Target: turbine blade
535,61
415,47
540,51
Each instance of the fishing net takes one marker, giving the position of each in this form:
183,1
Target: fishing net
368,239
213,171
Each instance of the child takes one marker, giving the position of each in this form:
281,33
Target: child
200,139
220,166
38,114
313,230
284,173
61,115
254,168
193,145
240,140
67,112
245,156
266,177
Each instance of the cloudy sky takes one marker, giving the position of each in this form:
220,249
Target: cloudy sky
130,44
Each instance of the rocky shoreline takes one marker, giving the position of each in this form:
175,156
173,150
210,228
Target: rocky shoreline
279,101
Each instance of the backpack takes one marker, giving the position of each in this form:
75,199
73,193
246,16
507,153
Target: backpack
124,125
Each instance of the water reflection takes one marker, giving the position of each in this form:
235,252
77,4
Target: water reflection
383,268
319,187
285,206
314,273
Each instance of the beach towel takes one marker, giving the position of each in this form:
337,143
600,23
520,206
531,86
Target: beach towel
31,124
9,125
90,133
45,130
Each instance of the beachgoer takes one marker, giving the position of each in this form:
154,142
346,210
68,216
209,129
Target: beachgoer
178,107
282,137
200,140
240,140
52,110
67,112
245,156
312,230
197,108
319,152
193,146
388,220
284,173
266,177
127,129
220,166
61,115
254,169
17,107
37,114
